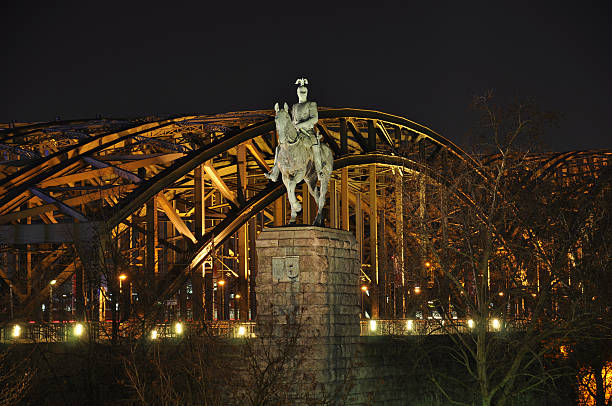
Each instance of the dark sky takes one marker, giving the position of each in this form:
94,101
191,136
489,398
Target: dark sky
421,60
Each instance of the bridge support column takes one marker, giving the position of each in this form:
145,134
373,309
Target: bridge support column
308,297
344,198
376,297
151,263
197,276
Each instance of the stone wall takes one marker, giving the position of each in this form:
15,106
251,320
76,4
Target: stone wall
306,288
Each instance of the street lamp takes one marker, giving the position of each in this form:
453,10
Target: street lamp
122,277
220,314
237,297
372,325
364,289
53,282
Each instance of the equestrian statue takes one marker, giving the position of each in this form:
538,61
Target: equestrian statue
300,155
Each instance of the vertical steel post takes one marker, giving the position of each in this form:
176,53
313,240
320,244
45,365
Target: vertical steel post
200,218
371,136
333,204
279,216
243,241
344,198
151,250
374,242
399,224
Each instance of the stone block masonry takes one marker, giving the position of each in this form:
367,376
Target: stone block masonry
307,286
308,310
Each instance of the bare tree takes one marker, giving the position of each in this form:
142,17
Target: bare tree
494,245
15,378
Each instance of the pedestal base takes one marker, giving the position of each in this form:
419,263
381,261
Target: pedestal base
308,295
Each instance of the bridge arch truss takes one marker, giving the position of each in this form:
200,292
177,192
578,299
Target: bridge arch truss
175,204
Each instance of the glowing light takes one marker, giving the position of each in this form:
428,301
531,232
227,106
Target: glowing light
221,282
587,384
471,323
372,325
533,295
417,289
53,282
496,324
427,264
364,288
16,331
178,328
241,331
409,325
78,329
238,295
501,293
153,334
122,277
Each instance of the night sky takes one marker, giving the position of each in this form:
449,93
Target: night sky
420,60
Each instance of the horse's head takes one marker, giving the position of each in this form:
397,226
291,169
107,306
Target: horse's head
284,125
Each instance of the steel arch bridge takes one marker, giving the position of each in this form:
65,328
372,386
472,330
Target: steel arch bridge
176,203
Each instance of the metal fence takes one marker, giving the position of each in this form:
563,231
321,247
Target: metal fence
103,331
402,327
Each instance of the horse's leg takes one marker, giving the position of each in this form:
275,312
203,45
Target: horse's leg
327,160
311,181
296,207
321,201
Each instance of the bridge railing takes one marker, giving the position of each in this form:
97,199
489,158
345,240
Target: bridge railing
102,331
402,327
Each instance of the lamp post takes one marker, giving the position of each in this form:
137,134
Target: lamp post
121,300
237,297
53,282
364,289
122,277
220,313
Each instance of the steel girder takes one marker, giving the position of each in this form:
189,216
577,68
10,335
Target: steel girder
96,172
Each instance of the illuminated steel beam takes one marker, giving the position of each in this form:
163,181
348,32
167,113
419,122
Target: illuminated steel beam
64,208
67,157
105,170
16,290
357,135
174,218
258,155
122,173
215,148
344,198
219,183
377,303
329,140
73,201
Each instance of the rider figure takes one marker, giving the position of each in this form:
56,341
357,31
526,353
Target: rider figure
305,116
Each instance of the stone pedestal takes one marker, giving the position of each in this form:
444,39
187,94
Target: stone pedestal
308,295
